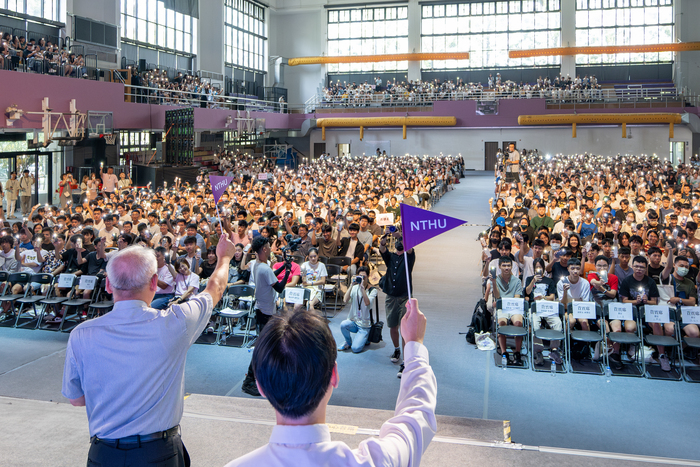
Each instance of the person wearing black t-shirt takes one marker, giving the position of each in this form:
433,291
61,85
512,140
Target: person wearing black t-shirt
655,267
541,287
559,267
639,289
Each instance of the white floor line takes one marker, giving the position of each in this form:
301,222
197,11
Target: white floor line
33,361
488,444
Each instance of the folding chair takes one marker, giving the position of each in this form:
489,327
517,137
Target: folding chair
102,303
323,259
76,303
16,278
625,312
32,297
307,297
239,301
341,261
691,315
299,259
582,310
332,286
53,301
514,331
672,344
543,310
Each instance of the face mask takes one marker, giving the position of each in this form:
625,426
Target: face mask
683,271
518,204
555,246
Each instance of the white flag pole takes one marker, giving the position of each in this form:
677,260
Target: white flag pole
408,276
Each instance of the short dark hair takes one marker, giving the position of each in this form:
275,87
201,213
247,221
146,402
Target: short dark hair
354,226
680,258
190,239
573,262
640,259
293,362
258,243
602,258
624,250
504,260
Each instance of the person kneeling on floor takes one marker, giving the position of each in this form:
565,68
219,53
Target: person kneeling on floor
361,298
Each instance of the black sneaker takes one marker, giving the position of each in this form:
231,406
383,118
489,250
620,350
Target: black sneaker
249,387
516,359
616,361
396,356
400,373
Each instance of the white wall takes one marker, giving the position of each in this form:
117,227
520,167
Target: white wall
107,11
299,34
470,142
210,56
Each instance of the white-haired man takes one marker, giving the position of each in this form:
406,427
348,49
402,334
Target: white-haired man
127,367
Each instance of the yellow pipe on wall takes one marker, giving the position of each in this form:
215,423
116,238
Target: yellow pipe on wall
606,119
411,57
605,50
361,122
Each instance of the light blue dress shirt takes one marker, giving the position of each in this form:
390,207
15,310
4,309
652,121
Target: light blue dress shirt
130,365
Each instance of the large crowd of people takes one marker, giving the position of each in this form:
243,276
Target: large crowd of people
330,205
586,227
561,88
16,52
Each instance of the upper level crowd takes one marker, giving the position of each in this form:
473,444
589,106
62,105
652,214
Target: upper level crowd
586,227
39,56
562,88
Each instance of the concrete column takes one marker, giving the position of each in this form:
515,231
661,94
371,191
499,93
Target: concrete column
686,67
414,19
210,37
568,36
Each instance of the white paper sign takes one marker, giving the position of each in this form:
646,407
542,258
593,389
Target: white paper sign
386,218
620,311
294,295
583,310
262,176
65,281
656,313
87,282
546,308
512,305
691,314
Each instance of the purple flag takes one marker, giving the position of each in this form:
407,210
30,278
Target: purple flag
420,225
219,185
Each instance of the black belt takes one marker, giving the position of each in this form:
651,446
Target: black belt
138,439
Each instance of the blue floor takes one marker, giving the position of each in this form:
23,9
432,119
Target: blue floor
627,415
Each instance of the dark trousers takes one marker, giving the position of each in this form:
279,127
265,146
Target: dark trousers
261,320
168,452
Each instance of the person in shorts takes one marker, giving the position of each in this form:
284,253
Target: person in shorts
506,285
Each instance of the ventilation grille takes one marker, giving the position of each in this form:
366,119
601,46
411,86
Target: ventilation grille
93,32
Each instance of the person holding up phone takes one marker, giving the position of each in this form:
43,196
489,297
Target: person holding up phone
361,298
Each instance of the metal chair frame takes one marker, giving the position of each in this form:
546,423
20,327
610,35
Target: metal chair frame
584,336
549,335
14,279
674,343
511,331
623,338
235,293
32,297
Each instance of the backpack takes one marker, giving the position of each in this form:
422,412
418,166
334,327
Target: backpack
481,321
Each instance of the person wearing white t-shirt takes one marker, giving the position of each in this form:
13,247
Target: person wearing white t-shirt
186,282
574,288
109,181
313,276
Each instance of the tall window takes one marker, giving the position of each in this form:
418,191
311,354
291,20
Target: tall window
149,22
368,31
487,30
624,22
53,10
245,35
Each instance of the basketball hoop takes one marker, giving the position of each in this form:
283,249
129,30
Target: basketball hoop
110,138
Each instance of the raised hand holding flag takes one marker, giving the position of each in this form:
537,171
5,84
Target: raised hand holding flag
219,184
